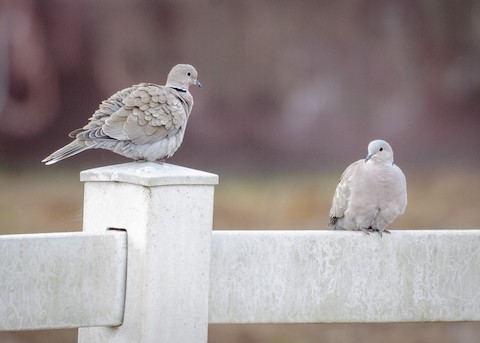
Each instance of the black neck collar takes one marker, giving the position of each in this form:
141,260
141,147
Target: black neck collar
181,90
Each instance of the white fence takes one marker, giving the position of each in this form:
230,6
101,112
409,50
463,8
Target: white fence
148,268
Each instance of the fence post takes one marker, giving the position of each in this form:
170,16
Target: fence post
167,212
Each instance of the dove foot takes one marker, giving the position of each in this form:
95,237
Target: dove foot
144,160
384,231
381,232
365,230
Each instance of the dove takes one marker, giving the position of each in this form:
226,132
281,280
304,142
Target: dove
145,122
371,194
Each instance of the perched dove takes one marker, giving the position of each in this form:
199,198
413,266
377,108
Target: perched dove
145,122
371,192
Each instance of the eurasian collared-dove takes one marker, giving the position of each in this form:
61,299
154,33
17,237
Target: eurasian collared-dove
145,122
371,192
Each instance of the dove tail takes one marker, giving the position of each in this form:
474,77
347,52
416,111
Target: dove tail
65,152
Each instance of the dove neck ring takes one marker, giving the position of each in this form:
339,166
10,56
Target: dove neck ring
181,90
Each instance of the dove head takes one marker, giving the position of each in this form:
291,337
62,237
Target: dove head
182,76
380,152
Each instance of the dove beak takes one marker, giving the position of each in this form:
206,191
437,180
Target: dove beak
197,83
369,156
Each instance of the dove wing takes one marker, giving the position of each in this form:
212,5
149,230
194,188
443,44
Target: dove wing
399,188
343,192
149,114
93,131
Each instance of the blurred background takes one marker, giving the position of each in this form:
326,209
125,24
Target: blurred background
292,92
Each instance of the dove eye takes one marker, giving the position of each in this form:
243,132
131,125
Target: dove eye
189,74
381,149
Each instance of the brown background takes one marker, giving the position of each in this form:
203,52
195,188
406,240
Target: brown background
292,93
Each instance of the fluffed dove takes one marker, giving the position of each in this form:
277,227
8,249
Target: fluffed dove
145,122
372,192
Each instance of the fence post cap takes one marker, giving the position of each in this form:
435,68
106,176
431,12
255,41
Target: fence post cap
149,174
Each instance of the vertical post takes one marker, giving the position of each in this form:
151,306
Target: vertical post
167,212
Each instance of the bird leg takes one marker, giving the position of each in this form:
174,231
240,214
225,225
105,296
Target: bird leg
381,232
365,230
384,231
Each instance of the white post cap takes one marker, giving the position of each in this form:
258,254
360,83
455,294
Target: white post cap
149,174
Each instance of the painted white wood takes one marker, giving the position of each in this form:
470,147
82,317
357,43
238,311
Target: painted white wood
343,276
167,212
62,280
166,276
149,174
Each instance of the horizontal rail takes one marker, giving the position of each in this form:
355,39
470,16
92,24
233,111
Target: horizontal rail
67,280
334,276
62,280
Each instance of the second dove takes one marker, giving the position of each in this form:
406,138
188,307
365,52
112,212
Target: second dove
145,122
371,194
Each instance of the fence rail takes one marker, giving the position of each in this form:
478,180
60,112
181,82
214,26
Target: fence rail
62,280
332,276
168,275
